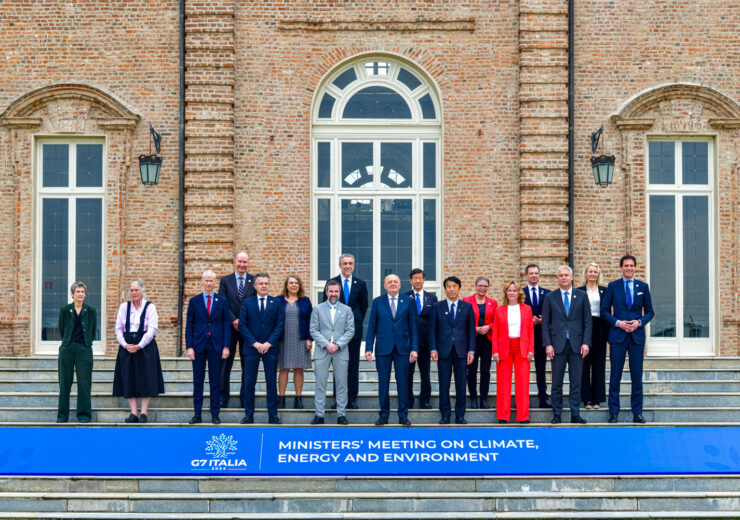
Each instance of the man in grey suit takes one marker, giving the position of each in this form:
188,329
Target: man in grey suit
566,334
332,328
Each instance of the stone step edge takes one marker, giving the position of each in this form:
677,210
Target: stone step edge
366,394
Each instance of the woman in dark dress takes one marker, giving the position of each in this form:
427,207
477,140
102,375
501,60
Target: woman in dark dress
295,347
484,309
138,368
593,383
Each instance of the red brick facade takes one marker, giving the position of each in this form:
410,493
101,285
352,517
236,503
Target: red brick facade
252,73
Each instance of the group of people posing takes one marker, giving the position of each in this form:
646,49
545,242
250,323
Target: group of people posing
570,326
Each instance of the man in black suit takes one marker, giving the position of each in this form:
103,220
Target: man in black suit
534,296
566,333
423,302
235,288
353,294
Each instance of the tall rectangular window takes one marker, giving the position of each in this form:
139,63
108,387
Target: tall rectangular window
70,241
681,246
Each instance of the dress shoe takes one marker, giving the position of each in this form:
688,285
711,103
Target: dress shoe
503,421
595,406
61,420
131,419
460,420
281,401
587,406
352,405
484,404
612,418
298,403
197,419
317,420
381,421
404,422
638,418
444,420
578,420
525,421
474,403
545,402
342,420
143,418
556,419
425,405
248,419
215,419
84,419
274,419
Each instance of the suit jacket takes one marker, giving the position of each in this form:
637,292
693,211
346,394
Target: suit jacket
358,300
556,325
386,331
89,320
342,330
501,331
444,334
422,320
614,308
603,324
228,288
261,327
304,315
540,299
491,305
199,326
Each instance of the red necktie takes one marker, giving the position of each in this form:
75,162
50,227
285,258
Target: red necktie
208,304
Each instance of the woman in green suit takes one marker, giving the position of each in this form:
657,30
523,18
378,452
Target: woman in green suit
77,326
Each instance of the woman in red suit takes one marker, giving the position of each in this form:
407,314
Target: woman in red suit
484,308
513,344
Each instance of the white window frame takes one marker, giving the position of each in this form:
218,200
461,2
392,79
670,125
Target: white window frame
71,194
415,130
682,346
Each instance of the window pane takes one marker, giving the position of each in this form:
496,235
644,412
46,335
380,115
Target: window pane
395,165
324,165
56,165
408,79
89,251
90,165
663,264
430,239
323,238
696,266
55,264
695,162
345,78
327,104
376,68
427,107
357,165
396,239
662,162
430,165
377,103
357,239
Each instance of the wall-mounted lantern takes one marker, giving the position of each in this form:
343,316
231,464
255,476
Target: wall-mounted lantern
149,165
602,166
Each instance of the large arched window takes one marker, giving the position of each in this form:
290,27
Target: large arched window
376,172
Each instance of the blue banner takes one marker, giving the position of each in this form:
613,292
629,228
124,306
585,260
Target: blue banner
239,451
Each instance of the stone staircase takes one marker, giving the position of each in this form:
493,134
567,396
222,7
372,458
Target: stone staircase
677,392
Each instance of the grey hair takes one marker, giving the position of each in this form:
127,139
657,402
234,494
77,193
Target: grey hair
208,271
261,275
137,283
482,278
346,255
76,285
564,267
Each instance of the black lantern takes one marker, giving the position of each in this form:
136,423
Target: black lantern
602,166
149,165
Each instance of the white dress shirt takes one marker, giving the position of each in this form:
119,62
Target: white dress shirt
514,319
150,322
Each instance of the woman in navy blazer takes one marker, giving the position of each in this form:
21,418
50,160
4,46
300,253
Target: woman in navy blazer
593,383
483,341
295,347
513,345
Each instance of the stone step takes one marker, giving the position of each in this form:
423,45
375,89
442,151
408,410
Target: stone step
171,416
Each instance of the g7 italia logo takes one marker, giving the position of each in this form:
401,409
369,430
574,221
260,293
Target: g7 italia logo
220,448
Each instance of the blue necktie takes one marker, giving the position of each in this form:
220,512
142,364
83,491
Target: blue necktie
346,291
535,300
418,303
452,312
566,303
627,288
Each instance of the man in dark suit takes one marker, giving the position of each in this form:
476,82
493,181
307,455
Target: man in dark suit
353,294
534,296
627,307
261,322
235,287
207,338
452,347
423,302
392,328
566,333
